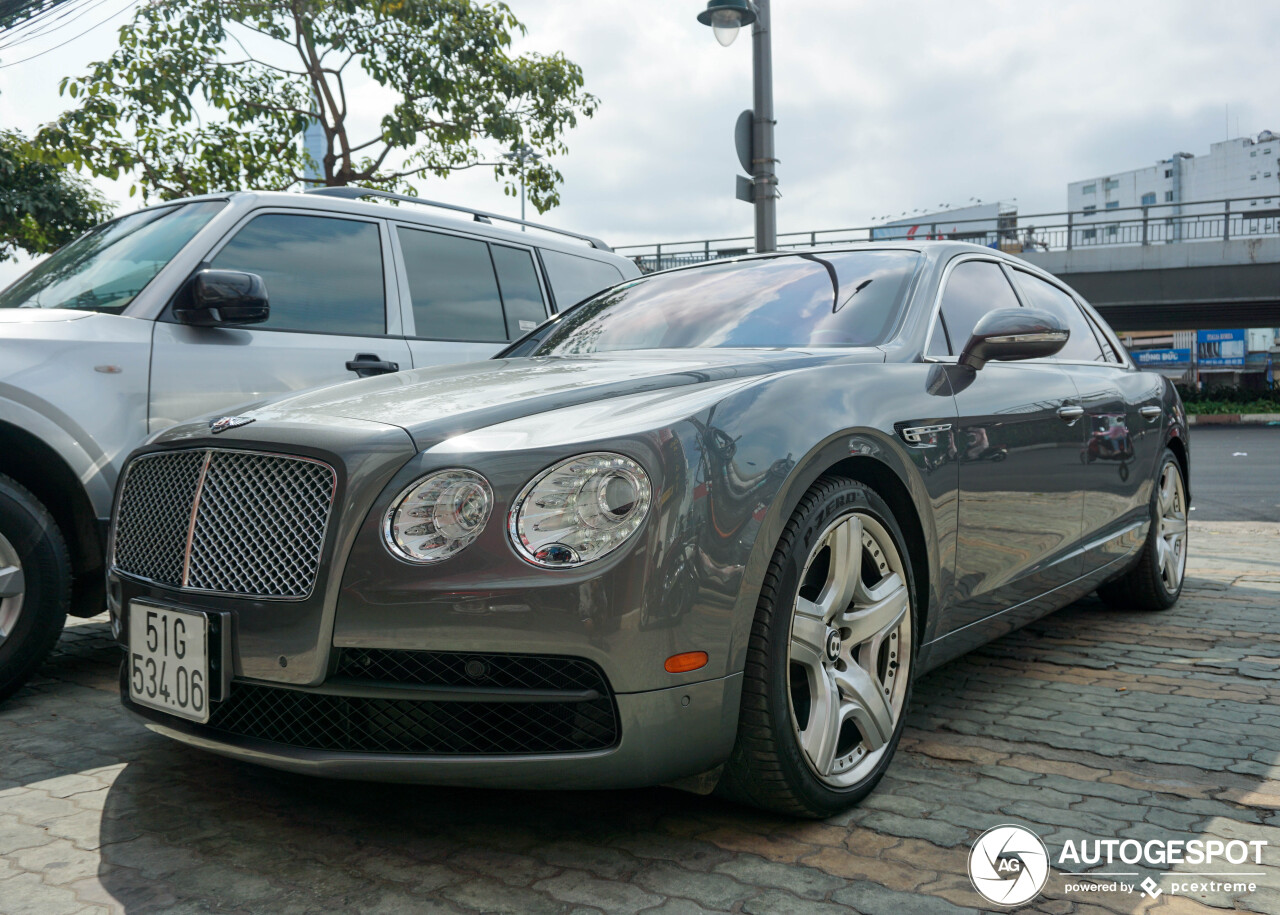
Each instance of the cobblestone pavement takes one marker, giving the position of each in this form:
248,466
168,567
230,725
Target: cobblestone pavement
1087,724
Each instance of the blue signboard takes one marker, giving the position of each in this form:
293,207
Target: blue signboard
1220,348
1162,356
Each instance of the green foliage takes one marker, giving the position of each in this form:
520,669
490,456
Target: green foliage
1230,400
1199,407
204,95
42,205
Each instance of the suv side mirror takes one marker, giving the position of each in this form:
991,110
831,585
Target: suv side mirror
223,298
1009,334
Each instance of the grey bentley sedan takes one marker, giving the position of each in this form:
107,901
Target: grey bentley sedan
702,529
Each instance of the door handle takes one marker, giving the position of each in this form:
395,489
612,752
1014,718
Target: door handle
1150,412
1069,413
366,365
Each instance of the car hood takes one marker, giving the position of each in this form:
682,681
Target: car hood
40,315
433,404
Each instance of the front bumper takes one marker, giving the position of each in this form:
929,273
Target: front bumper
664,735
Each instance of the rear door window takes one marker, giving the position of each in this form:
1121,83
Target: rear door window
452,287
322,274
575,278
521,293
1082,345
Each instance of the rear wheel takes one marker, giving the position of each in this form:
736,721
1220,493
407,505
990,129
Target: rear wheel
35,585
1155,582
828,672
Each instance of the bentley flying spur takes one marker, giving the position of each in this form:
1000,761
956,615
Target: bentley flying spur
703,528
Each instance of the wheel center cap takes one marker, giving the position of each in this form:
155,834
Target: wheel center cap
833,645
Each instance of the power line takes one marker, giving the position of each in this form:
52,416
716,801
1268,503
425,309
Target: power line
35,21
63,44
38,28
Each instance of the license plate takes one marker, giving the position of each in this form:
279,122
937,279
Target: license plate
169,660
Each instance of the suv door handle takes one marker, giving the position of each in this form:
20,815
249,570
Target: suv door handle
1150,412
366,365
1069,413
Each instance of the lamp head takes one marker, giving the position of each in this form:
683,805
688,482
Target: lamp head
725,18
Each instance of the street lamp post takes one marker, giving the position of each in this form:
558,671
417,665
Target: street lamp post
725,18
520,155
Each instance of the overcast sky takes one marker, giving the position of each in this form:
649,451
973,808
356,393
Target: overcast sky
881,107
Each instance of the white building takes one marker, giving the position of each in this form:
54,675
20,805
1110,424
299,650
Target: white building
1184,195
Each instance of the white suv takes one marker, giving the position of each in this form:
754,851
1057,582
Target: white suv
196,305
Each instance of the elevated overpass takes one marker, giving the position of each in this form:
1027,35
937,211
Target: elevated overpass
1179,266
1184,286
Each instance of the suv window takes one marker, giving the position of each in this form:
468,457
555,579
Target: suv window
452,287
973,289
575,278
1082,346
104,269
323,274
521,294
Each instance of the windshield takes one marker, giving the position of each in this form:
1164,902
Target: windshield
106,267
848,298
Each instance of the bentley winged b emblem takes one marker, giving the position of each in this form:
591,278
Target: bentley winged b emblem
223,423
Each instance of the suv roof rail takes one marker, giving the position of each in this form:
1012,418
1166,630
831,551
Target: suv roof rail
354,192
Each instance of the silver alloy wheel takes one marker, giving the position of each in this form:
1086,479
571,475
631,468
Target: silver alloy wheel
850,649
1171,528
11,588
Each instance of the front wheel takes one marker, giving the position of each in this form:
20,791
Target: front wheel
35,585
1155,582
828,673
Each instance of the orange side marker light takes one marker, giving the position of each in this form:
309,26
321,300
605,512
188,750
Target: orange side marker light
685,661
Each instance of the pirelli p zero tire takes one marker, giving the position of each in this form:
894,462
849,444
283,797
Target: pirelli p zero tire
1155,581
829,661
35,585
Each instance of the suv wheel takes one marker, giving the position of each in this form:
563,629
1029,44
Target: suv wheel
828,672
35,585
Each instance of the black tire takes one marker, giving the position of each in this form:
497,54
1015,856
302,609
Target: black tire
46,567
1142,587
766,768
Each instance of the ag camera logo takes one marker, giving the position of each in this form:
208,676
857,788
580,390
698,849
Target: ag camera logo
1008,865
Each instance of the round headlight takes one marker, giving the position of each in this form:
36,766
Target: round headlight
579,510
438,516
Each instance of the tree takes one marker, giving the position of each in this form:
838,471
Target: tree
42,206
205,95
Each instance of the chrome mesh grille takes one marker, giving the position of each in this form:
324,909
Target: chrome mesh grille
155,513
259,521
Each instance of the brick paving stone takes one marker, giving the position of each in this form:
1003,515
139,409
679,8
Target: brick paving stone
610,895
715,891
1088,723
874,899
801,880
775,902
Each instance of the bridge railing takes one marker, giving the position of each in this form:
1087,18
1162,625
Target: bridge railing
1150,224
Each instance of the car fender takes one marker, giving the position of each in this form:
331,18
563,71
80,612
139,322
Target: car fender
93,467
799,447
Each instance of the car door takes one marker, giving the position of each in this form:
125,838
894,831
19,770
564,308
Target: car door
1122,432
1017,441
331,304
465,298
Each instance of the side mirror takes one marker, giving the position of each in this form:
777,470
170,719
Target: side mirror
1009,334
223,298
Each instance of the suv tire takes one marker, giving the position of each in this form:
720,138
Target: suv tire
30,619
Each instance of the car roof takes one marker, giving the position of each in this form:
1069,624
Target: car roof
427,215
934,250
